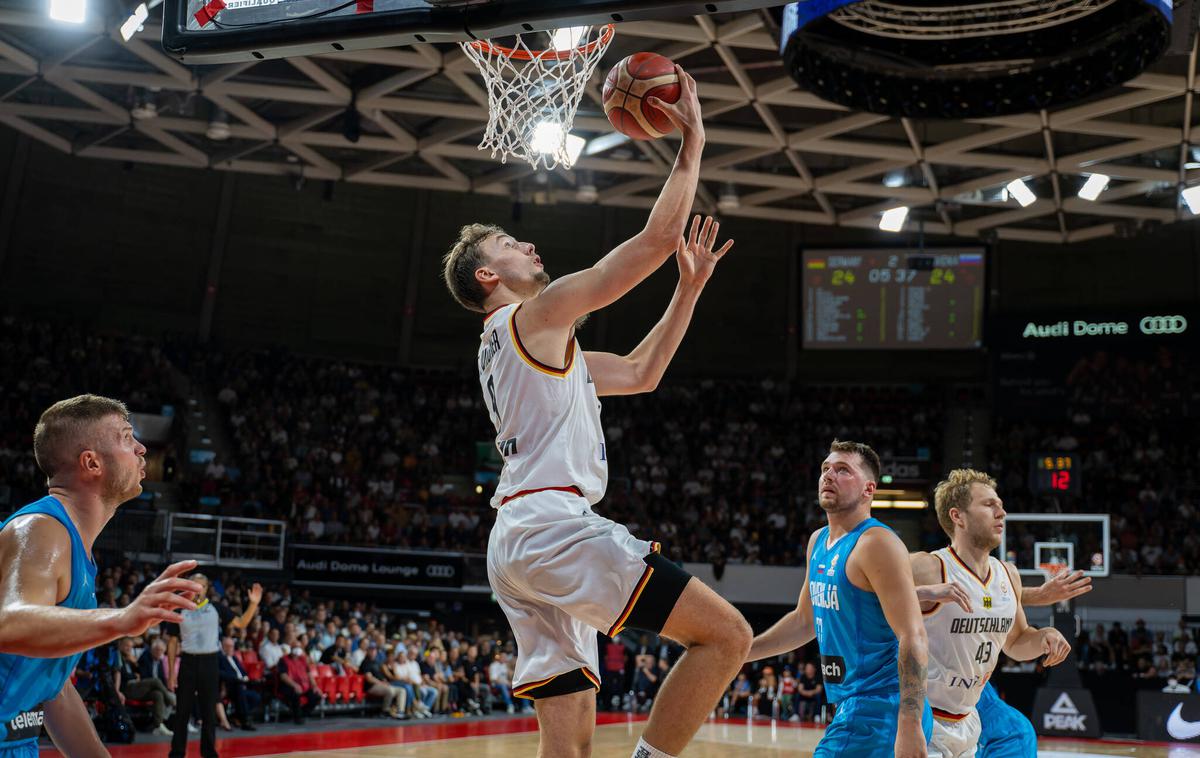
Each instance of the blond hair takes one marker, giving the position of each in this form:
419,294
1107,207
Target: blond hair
462,260
68,427
955,492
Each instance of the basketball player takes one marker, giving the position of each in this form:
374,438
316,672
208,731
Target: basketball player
1005,732
859,602
966,635
559,570
48,614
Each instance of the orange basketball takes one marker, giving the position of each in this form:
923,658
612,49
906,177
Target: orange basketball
629,83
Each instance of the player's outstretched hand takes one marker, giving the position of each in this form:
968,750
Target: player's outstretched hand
696,256
1054,646
946,592
1066,585
684,113
160,600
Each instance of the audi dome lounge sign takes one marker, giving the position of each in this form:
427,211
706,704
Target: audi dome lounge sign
323,565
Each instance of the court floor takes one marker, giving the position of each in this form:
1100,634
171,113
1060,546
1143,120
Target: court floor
616,736
713,741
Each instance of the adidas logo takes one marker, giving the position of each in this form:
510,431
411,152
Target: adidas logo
1064,716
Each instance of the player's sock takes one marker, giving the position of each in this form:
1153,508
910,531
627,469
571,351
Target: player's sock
644,750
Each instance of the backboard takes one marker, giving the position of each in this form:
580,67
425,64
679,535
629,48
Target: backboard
229,31
1077,540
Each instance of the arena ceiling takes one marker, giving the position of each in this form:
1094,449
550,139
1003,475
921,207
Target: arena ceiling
787,155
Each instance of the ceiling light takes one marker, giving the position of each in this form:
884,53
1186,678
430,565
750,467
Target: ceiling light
1021,192
134,22
574,147
1092,188
728,199
1191,196
893,219
567,38
218,126
69,11
894,179
548,137
587,193
145,106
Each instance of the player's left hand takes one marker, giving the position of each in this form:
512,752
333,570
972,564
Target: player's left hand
1054,646
256,593
1066,585
695,255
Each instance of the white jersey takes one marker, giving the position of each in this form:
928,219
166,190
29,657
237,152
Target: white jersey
547,419
964,647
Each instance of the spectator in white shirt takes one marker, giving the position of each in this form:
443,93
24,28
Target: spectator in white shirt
270,651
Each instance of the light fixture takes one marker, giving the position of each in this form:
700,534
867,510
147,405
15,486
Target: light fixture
134,22
1021,192
218,126
145,106
548,137
567,38
585,191
728,199
894,179
893,219
69,11
1095,184
1191,196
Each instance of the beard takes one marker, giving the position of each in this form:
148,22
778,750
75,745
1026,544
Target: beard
837,504
986,541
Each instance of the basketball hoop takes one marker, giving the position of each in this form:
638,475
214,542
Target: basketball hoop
533,92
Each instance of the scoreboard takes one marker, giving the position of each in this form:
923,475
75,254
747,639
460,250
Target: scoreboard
1055,473
889,299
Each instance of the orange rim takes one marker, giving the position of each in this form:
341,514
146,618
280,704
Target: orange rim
485,46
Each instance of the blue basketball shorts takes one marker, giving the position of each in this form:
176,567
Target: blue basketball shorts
1005,733
865,727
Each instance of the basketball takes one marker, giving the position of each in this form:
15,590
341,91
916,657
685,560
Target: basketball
629,84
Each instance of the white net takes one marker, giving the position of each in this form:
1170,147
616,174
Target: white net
534,88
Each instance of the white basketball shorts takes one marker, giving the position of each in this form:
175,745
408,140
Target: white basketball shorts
561,572
955,739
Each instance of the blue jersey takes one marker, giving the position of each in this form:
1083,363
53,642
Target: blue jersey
25,683
859,650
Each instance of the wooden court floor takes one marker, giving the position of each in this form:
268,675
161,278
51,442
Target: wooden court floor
616,735
713,741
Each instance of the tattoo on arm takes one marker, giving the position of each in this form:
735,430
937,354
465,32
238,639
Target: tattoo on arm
912,681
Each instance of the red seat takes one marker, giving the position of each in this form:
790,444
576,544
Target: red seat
249,657
356,687
343,688
255,670
324,669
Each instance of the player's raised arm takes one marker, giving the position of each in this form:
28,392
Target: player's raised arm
35,556
642,369
884,561
793,630
572,296
1025,643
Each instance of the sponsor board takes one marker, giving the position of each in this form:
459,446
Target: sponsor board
1059,712
328,565
1168,716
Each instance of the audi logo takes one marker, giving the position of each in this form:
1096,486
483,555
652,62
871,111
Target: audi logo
440,571
1163,325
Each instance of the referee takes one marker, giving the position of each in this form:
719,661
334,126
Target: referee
198,680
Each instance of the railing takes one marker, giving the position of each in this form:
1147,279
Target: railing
226,540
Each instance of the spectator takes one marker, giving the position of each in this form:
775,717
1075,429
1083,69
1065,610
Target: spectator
270,652
236,682
787,695
152,663
739,696
131,685
296,686
645,681
375,684
501,680
811,692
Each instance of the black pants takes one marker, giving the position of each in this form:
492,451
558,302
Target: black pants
301,704
244,699
198,684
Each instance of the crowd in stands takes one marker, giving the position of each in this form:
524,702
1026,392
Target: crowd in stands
1130,418
717,470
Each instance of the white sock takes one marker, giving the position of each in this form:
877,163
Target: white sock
644,750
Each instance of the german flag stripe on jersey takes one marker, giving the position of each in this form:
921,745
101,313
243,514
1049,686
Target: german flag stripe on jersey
938,713
636,595
971,571
534,363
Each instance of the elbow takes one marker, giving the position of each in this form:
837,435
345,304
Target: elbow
916,643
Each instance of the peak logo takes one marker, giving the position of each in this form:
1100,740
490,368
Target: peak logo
1064,716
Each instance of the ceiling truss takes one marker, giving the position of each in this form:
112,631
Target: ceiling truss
786,154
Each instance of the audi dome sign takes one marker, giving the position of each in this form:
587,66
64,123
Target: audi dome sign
1153,326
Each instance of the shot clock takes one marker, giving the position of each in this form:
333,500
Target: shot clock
1055,473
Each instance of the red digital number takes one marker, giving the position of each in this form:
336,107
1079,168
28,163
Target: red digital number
1060,480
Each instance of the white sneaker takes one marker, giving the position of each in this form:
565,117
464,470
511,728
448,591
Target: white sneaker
192,728
162,729
794,718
